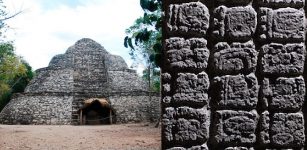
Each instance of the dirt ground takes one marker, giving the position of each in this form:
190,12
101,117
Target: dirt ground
105,137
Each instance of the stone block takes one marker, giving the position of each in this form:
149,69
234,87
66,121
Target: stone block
190,19
184,54
235,91
235,58
283,94
166,83
279,59
192,83
284,149
287,130
235,127
190,99
235,2
171,113
200,147
282,3
283,24
238,148
235,23
185,126
264,125
191,89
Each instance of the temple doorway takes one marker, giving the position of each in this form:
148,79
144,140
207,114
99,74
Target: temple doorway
96,112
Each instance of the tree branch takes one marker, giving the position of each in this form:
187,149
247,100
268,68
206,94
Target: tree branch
12,16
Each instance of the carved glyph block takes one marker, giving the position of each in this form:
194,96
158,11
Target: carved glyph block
284,24
235,58
235,127
279,59
185,124
191,89
187,19
287,130
235,2
235,23
282,3
283,94
235,91
191,54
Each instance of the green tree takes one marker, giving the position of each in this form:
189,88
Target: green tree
15,73
144,41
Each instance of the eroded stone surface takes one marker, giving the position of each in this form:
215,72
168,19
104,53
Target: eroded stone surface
188,19
264,126
282,3
185,125
235,2
234,55
238,148
190,99
287,130
235,127
236,91
235,23
187,54
201,147
279,59
191,83
191,89
234,58
282,24
284,94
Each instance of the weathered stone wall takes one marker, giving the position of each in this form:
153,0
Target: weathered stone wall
128,106
38,109
135,108
125,81
51,80
232,74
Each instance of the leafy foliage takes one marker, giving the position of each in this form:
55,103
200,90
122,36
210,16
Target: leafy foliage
144,40
15,73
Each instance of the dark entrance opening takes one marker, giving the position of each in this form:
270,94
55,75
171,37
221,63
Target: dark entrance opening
96,112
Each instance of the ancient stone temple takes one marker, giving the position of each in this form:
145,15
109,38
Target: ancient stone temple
86,85
233,75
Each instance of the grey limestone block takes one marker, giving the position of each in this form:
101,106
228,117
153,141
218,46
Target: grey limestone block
189,54
234,128
190,19
195,99
234,23
235,91
191,83
185,126
287,130
234,58
239,148
283,94
281,24
166,80
201,114
191,89
200,147
264,127
284,149
235,2
282,3
283,59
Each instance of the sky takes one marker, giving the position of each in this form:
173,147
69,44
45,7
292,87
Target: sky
46,28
